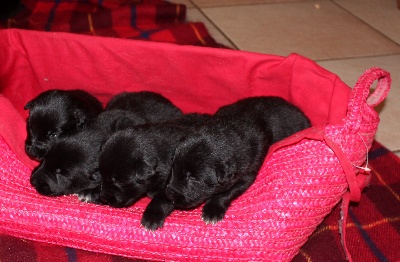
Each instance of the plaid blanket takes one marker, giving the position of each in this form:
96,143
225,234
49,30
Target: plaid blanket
153,20
373,227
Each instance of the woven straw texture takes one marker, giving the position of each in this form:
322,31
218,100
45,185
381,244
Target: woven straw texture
302,179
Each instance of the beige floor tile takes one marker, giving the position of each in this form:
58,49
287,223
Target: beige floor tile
318,30
187,3
349,70
210,3
194,15
382,15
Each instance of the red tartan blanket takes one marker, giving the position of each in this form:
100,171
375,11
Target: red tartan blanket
153,20
373,226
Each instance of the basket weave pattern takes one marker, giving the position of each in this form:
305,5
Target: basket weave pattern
302,179
296,188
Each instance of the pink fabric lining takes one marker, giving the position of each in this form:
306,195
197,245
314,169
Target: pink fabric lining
301,180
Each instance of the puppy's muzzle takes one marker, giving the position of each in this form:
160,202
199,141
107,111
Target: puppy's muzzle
49,184
114,199
36,149
42,185
181,199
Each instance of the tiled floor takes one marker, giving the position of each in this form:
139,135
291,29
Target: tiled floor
344,36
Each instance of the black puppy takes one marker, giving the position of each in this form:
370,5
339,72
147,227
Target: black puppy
219,161
71,165
137,162
129,109
142,107
57,113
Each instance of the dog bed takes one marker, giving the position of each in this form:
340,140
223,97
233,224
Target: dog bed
302,179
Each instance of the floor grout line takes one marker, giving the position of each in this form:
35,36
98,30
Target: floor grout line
260,3
356,57
365,22
215,25
353,14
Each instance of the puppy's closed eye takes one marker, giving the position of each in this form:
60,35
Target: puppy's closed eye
120,181
80,118
191,177
141,181
95,176
53,133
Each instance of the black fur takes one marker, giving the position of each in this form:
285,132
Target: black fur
129,109
143,107
55,114
76,157
219,161
137,162
71,167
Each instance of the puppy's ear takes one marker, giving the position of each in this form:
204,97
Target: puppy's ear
80,118
30,104
122,123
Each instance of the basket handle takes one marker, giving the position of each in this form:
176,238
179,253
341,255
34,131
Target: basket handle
360,94
360,97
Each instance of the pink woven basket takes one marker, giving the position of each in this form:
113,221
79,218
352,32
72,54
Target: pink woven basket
302,179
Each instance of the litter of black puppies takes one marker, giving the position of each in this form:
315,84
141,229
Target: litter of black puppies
70,165
142,145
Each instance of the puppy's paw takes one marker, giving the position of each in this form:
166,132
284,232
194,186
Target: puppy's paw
153,219
90,196
213,212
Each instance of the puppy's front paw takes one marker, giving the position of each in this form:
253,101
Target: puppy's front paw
153,219
213,212
90,196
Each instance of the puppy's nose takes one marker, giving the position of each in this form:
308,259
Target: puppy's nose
105,196
28,146
36,152
104,200
41,186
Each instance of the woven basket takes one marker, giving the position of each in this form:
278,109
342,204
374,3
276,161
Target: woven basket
302,179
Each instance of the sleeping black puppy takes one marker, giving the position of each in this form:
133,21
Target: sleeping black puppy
219,161
129,109
137,162
71,165
57,113
143,107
